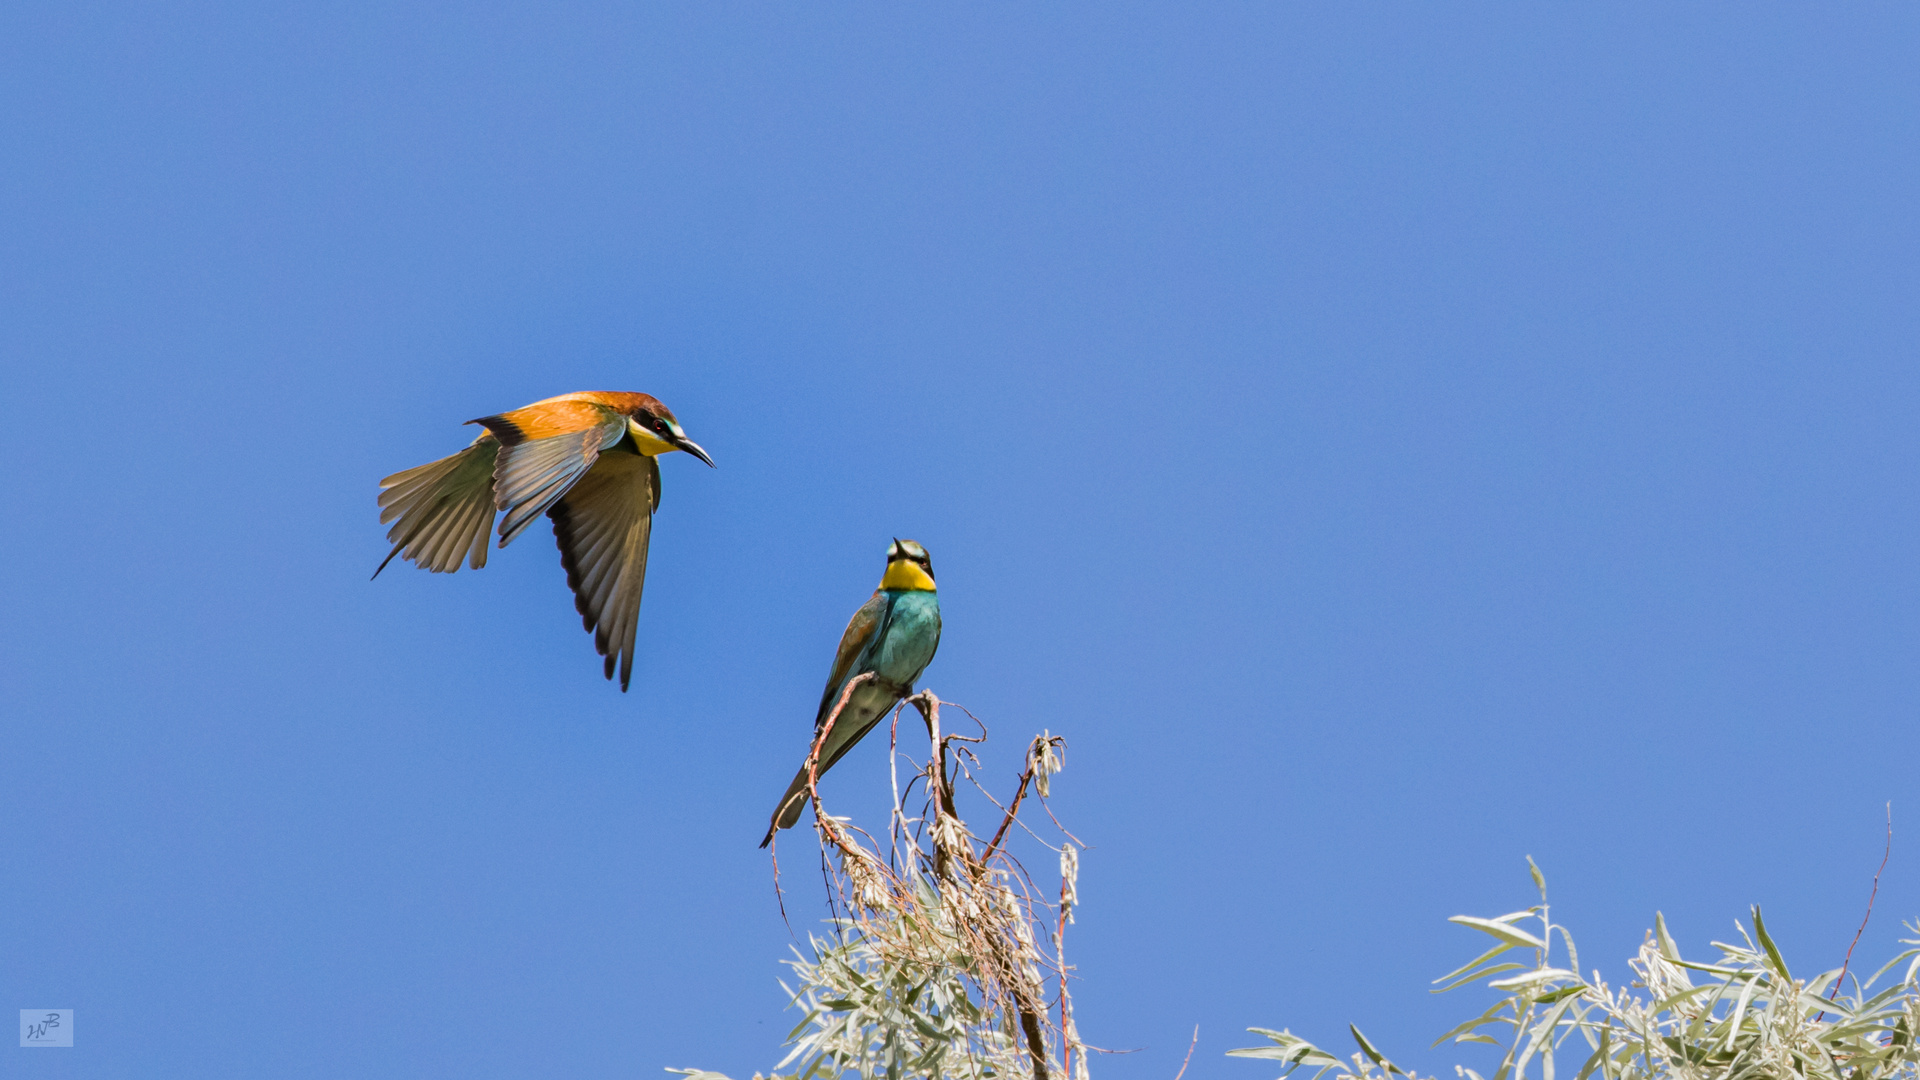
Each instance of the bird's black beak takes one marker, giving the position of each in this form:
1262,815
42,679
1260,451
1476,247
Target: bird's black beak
693,448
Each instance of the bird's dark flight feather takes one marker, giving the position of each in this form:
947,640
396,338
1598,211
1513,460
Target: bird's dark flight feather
602,525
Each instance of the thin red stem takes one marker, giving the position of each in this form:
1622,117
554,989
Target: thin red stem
1870,898
1189,1057
1012,811
820,741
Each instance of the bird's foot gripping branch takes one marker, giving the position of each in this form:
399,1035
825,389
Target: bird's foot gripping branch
946,957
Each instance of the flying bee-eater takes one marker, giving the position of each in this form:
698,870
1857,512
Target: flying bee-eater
893,636
586,460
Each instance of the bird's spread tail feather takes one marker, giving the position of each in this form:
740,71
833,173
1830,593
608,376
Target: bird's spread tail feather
442,511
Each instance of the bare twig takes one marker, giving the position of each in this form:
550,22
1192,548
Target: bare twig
1060,951
1002,807
820,741
929,707
1870,898
1063,828
779,898
1189,1057
1012,812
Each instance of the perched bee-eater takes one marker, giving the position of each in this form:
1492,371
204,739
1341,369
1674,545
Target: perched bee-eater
587,461
894,636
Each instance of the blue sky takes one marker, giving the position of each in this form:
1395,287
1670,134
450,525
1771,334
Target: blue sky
1387,440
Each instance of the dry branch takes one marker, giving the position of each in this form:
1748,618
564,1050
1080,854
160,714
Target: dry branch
961,924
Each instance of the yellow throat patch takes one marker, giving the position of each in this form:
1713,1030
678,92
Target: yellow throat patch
648,443
905,574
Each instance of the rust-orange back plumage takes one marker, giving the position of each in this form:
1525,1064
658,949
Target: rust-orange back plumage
585,460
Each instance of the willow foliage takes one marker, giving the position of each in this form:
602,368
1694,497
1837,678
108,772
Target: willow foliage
1741,1017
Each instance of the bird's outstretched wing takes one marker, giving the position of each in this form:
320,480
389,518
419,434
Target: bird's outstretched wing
602,524
544,449
444,509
